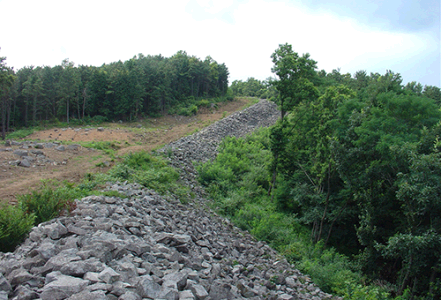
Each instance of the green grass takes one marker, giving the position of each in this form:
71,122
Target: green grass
21,133
152,172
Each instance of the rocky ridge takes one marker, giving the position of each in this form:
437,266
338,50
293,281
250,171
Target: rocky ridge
202,146
147,247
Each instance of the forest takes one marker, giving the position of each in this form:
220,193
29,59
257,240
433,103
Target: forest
347,184
141,86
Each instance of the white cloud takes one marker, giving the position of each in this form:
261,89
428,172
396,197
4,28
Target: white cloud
44,32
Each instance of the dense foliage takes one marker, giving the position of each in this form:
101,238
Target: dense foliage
143,85
254,88
356,161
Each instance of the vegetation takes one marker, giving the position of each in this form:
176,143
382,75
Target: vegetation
352,182
347,184
254,88
152,172
141,86
53,198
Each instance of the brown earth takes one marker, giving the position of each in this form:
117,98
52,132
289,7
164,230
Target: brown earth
73,165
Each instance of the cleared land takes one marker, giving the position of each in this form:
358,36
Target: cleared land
73,165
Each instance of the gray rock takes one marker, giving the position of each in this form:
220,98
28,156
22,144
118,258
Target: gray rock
60,148
73,147
186,295
147,287
130,296
25,163
199,291
14,162
177,280
3,295
63,287
55,230
109,275
24,293
4,284
88,295
21,153
19,276
37,152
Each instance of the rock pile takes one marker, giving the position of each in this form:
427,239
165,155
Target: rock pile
143,246
30,154
146,247
202,146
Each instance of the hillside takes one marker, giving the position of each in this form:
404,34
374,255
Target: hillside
73,163
153,247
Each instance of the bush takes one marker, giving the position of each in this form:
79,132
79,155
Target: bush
150,171
47,202
19,134
14,226
204,103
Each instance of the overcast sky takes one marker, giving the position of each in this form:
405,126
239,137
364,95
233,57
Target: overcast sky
372,35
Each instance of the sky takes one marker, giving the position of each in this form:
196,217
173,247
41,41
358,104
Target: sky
371,35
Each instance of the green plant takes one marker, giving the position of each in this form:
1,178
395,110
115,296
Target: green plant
204,103
150,171
14,226
21,133
48,202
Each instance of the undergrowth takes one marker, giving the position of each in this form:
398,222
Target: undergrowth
150,171
238,181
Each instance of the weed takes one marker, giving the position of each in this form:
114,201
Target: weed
48,202
21,133
14,225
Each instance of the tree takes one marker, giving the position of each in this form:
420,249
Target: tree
295,77
294,84
6,80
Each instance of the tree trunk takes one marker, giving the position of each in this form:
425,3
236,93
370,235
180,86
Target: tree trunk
84,101
4,117
326,204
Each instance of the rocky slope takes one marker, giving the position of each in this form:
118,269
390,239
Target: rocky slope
149,247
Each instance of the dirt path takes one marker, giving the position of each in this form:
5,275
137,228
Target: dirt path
73,165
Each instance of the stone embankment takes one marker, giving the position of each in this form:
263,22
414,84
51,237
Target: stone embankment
202,146
148,247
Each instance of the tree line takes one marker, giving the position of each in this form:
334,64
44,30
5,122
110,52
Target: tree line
143,85
357,159
354,165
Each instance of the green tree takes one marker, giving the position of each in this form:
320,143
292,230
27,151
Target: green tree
294,85
6,81
68,86
295,77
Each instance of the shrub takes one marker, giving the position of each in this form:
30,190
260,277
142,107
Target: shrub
204,103
150,171
14,226
19,134
47,202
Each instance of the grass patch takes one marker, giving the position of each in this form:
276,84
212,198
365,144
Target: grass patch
150,171
21,133
14,226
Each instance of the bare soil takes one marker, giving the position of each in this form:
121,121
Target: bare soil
73,165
